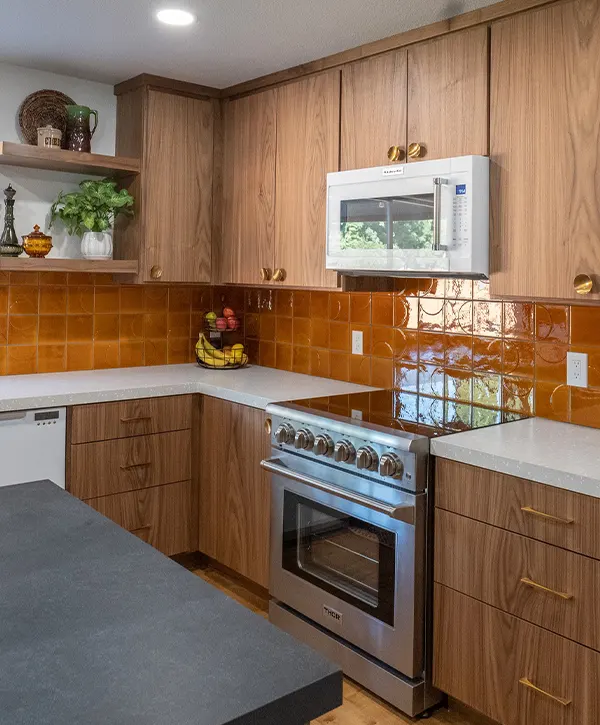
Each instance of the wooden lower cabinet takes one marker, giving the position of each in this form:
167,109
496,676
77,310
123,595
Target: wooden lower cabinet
234,490
160,516
510,670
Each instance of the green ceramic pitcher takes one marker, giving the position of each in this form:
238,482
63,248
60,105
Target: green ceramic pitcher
79,134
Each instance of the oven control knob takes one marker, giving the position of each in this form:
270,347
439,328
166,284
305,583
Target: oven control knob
391,466
323,445
344,452
304,439
284,434
366,458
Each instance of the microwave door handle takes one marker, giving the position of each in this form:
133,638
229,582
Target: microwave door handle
405,513
437,212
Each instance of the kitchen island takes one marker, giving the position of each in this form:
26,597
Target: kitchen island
99,628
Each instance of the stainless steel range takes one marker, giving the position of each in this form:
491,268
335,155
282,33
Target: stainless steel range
350,524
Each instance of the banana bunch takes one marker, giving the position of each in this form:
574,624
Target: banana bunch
211,356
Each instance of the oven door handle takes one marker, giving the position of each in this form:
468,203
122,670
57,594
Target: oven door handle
405,512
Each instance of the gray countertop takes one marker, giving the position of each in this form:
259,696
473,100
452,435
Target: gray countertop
96,627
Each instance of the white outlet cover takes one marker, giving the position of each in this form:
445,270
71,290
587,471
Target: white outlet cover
577,369
357,342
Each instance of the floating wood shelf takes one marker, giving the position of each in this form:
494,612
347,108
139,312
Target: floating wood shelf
55,264
75,162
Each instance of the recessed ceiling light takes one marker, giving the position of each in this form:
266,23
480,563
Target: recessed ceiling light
172,16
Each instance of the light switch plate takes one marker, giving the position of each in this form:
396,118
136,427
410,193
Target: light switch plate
577,369
357,342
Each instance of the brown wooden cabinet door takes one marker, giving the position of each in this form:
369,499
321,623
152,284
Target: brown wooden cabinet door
308,132
235,492
448,95
248,226
178,177
373,110
545,132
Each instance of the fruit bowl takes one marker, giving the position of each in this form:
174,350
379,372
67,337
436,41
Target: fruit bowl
208,356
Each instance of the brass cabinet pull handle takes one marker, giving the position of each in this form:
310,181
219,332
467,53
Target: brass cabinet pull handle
135,420
136,465
549,517
530,583
156,272
279,275
583,284
265,274
416,151
395,153
527,683
268,426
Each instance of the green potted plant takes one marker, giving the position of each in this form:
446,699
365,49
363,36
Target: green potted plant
90,213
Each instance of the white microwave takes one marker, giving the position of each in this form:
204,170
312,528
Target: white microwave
423,219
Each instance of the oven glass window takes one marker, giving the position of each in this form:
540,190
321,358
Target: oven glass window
341,554
393,222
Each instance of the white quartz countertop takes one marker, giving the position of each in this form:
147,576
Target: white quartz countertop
254,386
559,454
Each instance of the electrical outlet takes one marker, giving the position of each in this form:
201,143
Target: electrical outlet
357,342
577,369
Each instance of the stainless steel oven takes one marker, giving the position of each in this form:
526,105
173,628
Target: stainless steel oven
348,549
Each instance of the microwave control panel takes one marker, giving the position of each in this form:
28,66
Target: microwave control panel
461,231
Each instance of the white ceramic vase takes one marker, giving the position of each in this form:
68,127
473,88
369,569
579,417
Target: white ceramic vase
97,245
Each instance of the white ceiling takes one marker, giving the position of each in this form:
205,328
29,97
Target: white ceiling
233,40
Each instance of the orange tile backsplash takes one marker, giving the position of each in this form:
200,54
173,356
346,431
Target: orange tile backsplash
445,338
52,322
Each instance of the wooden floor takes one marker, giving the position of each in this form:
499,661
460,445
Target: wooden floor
360,706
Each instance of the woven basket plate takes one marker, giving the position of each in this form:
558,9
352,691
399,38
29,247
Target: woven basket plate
42,108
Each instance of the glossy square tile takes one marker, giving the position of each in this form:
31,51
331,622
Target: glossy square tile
585,325
487,319
319,305
24,278
458,351
303,331
266,353
487,390
339,365
284,301
106,328
58,278
131,327
52,300
52,358
80,328
156,299
131,354
339,336
518,320
52,329
406,345
132,299
382,372
383,340
432,348
301,359
459,289
431,314
252,325
518,358
487,354
360,369
551,322
80,356
21,359
360,308
518,394
406,376
585,407
283,329
406,312
551,362
178,350
23,300
106,299
301,303
339,306
155,352
458,316
3,330
80,300
22,329
458,385
180,299
319,363
268,324
431,380
382,309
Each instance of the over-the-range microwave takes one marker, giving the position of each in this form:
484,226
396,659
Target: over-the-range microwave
422,219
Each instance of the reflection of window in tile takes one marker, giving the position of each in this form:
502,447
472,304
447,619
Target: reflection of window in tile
485,416
517,394
458,316
431,412
552,322
487,319
518,320
458,385
487,390
431,314
431,380
458,415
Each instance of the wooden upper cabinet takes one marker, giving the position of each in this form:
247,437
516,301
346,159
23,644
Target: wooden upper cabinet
178,187
545,132
374,99
171,233
308,135
248,207
448,95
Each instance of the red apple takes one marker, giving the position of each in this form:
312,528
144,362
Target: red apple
233,323
221,323
228,312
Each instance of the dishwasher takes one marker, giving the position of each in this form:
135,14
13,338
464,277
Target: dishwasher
33,446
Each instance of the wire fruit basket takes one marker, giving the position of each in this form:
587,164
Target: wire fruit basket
212,349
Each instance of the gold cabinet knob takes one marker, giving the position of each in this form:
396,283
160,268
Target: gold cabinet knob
416,151
279,275
156,272
268,426
583,284
265,274
395,153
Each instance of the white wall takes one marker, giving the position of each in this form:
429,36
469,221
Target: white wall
36,190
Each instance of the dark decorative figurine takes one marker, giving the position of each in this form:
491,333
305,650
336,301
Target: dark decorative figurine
9,245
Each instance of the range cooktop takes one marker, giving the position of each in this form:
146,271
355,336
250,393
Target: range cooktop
406,411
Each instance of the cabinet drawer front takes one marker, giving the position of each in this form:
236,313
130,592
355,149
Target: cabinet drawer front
103,421
566,519
530,579
127,464
491,661
160,516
